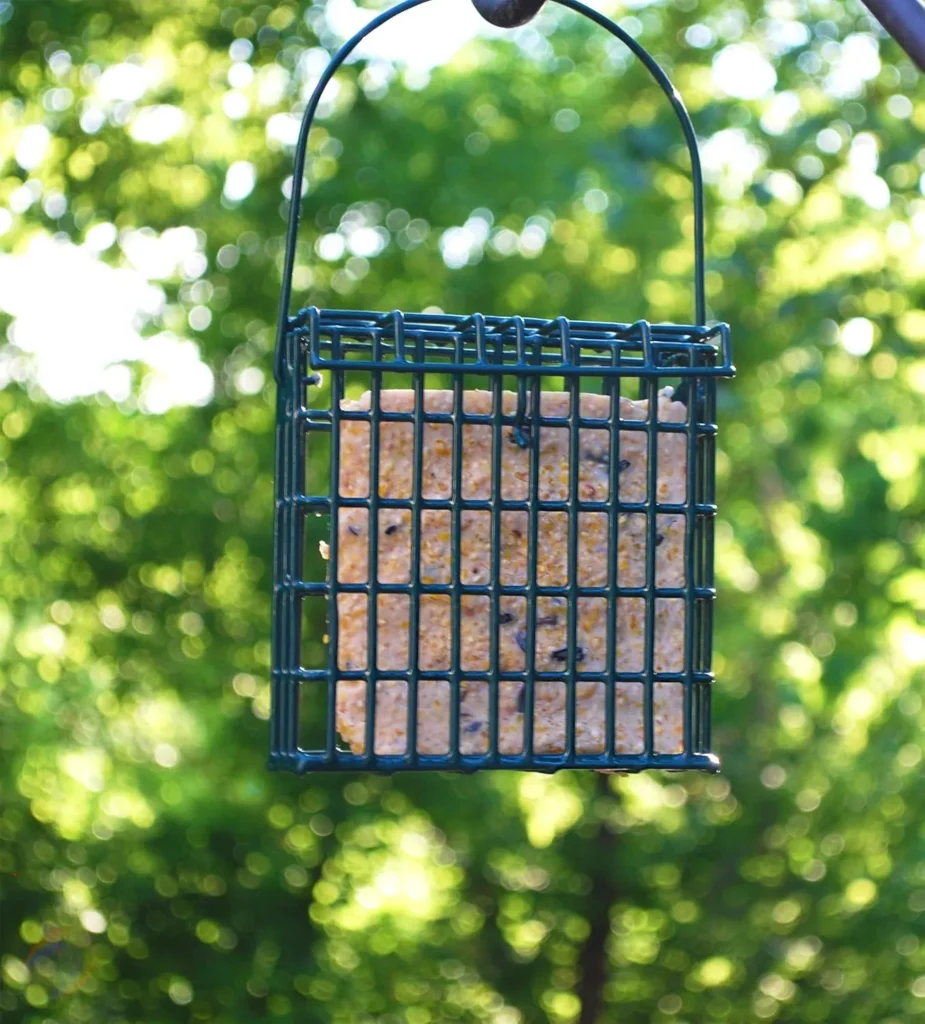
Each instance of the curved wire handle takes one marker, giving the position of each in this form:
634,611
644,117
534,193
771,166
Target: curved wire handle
652,66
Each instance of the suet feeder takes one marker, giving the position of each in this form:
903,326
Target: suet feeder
515,577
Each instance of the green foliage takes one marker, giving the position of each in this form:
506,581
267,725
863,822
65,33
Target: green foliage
152,870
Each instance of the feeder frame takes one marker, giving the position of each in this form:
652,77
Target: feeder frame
480,347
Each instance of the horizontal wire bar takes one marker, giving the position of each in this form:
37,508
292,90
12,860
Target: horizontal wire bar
450,327
524,369
657,354
304,760
311,675
486,590
446,589
321,418
665,365
509,505
449,319
499,344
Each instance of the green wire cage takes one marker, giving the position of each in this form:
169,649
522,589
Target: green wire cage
515,577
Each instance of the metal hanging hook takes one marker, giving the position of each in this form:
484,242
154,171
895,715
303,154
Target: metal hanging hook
520,435
507,13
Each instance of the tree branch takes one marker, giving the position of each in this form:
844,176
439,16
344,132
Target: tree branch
603,895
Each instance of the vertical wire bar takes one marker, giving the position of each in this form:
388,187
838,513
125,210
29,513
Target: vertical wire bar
573,533
330,722
699,604
481,354
533,499
414,577
651,501
521,362
296,542
613,523
690,526
398,325
280,555
372,621
283,625
494,634
456,553
709,486
704,623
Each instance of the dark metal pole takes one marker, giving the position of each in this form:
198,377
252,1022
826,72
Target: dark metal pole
905,21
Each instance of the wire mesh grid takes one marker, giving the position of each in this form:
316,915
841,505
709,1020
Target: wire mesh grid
512,578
